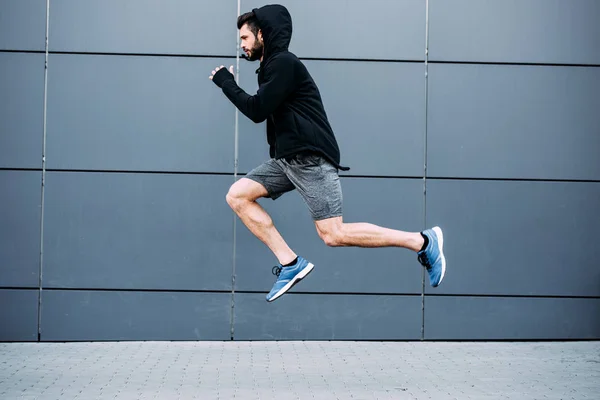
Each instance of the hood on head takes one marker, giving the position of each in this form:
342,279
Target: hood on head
276,25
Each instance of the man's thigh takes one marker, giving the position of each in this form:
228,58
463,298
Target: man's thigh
318,182
272,176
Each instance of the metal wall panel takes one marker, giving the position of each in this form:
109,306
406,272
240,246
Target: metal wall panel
379,123
517,237
143,26
137,113
20,213
105,315
380,29
146,231
541,31
144,107
491,318
23,25
21,110
391,203
499,121
327,317
18,315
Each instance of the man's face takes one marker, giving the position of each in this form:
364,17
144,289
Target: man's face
252,45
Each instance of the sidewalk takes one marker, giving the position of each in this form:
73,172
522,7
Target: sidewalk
300,370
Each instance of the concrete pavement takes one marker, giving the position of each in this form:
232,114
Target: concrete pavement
300,370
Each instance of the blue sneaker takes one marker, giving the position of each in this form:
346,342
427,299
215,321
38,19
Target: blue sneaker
432,258
288,277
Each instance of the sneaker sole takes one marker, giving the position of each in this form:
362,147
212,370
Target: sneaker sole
291,283
440,235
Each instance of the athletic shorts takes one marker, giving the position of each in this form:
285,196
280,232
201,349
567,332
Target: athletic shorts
315,178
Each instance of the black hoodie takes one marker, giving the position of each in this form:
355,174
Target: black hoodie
287,98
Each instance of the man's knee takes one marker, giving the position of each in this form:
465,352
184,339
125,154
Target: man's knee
242,192
332,240
332,236
235,197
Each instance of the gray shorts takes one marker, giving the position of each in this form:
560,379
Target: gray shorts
315,178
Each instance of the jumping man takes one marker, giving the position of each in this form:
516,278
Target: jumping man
304,155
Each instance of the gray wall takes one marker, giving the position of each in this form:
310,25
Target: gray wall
493,135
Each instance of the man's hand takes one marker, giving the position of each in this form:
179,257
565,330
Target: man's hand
220,75
214,71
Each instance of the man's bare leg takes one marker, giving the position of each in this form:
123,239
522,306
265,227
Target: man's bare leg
335,232
242,198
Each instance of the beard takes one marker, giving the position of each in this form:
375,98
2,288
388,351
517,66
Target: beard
256,52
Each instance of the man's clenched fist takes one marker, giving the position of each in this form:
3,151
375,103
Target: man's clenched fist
220,75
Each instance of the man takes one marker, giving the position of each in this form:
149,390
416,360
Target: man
304,156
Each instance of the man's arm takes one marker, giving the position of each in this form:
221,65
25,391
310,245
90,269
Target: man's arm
278,84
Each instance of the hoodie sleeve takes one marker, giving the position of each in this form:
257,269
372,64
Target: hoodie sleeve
279,82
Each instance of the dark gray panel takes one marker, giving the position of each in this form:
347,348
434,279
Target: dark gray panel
380,29
106,230
106,315
23,25
21,109
379,123
327,317
18,315
534,238
142,26
491,318
391,203
20,213
513,121
563,31
137,113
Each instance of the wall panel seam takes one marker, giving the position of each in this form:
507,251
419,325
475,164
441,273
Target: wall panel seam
20,169
512,63
513,296
217,291
238,174
425,65
235,177
342,59
43,183
295,293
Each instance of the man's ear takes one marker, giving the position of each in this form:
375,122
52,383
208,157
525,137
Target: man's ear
259,35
